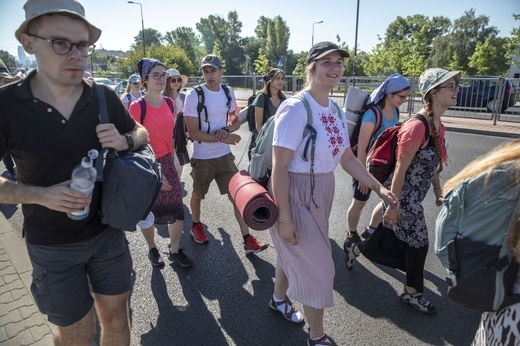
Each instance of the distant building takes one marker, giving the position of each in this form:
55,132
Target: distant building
22,58
514,69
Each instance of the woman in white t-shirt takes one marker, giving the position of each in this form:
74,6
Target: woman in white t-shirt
303,189
133,91
175,81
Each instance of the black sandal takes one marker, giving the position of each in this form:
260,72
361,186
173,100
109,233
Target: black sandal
287,313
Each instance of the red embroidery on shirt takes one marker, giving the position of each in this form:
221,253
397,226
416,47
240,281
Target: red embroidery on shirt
333,133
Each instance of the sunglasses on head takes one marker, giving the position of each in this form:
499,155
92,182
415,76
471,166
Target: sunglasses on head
173,80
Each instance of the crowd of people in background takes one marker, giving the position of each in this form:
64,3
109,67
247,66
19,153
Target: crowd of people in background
155,110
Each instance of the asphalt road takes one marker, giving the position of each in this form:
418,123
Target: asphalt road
222,299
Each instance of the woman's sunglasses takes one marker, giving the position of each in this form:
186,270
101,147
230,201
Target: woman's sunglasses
135,83
178,80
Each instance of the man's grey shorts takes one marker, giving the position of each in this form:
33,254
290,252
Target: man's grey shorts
62,273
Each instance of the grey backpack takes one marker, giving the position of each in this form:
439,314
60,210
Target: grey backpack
262,154
471,239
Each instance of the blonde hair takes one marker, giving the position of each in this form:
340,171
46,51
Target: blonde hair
309,74
508,152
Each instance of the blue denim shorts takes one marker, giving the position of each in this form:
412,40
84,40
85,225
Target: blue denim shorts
65,275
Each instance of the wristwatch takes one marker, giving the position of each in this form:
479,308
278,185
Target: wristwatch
129,141
225,128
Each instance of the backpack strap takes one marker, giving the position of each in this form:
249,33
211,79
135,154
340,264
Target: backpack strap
129,97
170,104
228,97
200,105
379,117
311,140
142,103
426,126
338,108
266,107
308,128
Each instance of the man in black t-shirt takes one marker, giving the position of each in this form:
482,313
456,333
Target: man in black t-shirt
48,122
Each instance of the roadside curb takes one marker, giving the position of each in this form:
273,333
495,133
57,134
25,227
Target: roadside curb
481,132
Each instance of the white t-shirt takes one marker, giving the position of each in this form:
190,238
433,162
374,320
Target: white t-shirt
331,139
216,103
179,103
132,97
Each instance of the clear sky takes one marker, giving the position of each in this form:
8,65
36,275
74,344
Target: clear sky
121,21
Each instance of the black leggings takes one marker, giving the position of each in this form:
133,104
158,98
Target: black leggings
414,259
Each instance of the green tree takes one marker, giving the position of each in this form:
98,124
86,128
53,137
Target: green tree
171,56
453,64
406,46
151,36
301,65
9,60
186,39
467,31
512,44
490,58
262,64
277,39
409,27
227,33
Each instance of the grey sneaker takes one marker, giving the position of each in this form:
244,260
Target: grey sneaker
418,302
348,247
179,257
155,257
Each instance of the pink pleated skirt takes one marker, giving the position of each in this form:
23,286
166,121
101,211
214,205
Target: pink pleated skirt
309,266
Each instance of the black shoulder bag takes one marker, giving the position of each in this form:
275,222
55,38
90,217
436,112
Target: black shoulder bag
131,180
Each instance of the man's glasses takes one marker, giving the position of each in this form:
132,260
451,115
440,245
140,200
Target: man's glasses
176,80
63,47
452,86
158,76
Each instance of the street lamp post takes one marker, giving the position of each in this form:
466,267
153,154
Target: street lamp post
355,47
142,24
313,31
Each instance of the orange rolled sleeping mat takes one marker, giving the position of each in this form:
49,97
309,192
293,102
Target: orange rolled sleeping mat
252,201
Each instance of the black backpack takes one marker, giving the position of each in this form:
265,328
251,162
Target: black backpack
251,111
202,107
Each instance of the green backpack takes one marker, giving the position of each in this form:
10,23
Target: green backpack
471,239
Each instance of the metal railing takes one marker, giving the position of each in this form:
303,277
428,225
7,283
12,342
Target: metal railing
490,98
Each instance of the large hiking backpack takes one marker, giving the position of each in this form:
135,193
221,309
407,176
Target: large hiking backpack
354,139
355,103
471,239
260,165
201,106
251,111
381,157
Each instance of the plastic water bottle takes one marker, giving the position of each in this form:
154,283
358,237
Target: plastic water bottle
83,180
